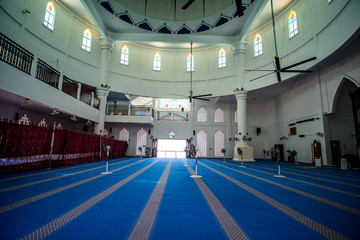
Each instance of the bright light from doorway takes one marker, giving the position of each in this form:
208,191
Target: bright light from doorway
171,148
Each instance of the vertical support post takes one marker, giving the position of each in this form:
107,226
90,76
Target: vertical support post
52,145
78,91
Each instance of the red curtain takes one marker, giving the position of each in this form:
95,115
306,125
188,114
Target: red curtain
24,148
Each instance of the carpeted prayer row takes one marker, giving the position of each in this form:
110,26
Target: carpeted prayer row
157,199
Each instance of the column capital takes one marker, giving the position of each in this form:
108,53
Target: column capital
107,43
238,47
102,92
240,94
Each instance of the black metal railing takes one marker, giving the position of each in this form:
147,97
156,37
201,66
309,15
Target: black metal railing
15,55
69,87
47,74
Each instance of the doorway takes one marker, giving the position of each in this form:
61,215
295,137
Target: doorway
171,148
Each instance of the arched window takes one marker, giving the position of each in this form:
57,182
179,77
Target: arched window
257,45
222,58
201,115
49,18
124,56
219,143
86,43
293,26
140,141
219,115
157,62
190,63
201,143
124,135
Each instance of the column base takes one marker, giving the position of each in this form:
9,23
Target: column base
247,153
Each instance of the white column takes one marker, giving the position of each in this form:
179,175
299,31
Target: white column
239,50
241,114
107,45
102,94
78,91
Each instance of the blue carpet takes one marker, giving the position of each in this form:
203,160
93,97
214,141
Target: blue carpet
184,213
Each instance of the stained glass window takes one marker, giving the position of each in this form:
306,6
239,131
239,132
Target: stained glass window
49,18
293,26
124,56
157,62
173,104
201,143
190,63
86,43
219,143
201,115
222,58
258,45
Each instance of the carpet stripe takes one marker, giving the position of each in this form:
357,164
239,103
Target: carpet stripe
51,179
322,179
229,225
349,178
56,224
305,182
146,221
323,230
20,203
317,198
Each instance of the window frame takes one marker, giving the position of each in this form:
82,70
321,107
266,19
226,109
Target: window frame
190,63
157,62
49,18
258,49
221,58
86,42
293,25
124,57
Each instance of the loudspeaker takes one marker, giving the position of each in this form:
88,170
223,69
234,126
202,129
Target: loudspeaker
110,130
258,131
149,131
16,117
194,133
85,128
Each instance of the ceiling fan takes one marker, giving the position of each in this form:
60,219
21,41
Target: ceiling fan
191,93
238,3
278,68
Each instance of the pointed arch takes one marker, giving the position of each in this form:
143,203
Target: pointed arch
124,135
49,18
218,115
124,55
292,24
140,141
87,38
222,58
219,142
201,115
157,62
190,63
258,50
201,142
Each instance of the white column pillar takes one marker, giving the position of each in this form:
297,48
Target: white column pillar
102,94
239,50
241,114
78,91
107,45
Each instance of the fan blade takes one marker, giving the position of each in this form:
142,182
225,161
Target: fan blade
297,71
277,62
205,95
187,4
203,99
239,8
260,77
259,70
299,63
278,76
